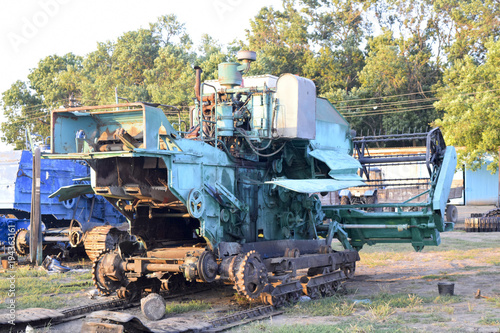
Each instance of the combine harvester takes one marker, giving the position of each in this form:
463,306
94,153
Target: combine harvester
233,198
87,220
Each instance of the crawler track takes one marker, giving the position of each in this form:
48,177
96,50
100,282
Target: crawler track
281,294
242,317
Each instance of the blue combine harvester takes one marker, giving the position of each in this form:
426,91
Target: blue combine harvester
86,220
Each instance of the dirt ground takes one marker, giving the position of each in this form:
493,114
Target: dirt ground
469,260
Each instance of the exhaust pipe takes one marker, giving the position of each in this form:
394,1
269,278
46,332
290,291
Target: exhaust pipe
197,85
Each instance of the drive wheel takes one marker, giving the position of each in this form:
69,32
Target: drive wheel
21,246
251,276
104,284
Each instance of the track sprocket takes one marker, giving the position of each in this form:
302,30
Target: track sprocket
251,276
103,283
20,245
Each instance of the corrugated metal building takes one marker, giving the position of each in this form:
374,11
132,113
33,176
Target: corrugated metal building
481,187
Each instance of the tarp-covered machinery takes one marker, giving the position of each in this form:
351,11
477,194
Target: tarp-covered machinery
237,196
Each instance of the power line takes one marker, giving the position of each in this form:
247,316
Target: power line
27,119
376,112
369,106
388,111
414,107
408,94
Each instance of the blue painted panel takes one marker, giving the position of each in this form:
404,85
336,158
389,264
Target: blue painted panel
442,190
16,182
8,226
481,187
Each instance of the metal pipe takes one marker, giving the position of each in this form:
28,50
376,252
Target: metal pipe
418,195
400,227
370,160
215,110
172,215
392,204
55,238
404,136
175,253
35,217
155,267
197,84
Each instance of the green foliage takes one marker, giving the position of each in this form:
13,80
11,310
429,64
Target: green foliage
470,98
470,23
280,39
378,62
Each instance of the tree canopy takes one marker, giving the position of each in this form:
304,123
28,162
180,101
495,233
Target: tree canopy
388,66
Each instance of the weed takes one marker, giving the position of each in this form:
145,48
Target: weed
449,310
85,276
495,300
331,306
241,300
414,301
37,288
444,276
434,317
381,311
347,326
489,321
193,305
395,300
470,306
344,309
447,299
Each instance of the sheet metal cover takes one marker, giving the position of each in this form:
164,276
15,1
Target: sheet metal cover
342,165
316,185
72,191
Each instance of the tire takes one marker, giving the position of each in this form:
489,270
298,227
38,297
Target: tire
482,224
345,200
451,213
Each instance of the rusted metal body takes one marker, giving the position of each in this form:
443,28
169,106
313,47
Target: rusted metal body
232,197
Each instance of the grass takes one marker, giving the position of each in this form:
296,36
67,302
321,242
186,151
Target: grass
444,276
192,305
495,300
346,326
446,299
381,312
489,321
38,288
401,301
330,306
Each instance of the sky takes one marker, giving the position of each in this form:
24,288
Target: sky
30,30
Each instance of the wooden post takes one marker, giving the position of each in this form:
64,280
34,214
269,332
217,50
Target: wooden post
35,216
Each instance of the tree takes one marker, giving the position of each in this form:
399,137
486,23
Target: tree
171,81
470,97
280,39
22,110
470,24
26,105
338,30
150,65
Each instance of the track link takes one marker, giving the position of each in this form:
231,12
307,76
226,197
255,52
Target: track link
102,238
